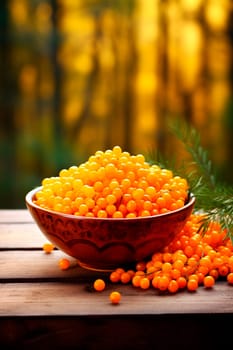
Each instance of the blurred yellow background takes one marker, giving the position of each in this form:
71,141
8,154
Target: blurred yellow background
78,76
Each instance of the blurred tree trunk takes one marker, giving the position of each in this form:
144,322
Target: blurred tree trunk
7,97
228,171
57,122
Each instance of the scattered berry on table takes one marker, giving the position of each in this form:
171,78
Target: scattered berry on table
48,248
99,285
115,297
64,264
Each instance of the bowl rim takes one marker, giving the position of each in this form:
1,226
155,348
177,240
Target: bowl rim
29,196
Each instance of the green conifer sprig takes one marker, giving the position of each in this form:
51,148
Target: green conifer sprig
212,197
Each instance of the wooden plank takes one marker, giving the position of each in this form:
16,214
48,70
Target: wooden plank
36,265
70,299
18,215
21,235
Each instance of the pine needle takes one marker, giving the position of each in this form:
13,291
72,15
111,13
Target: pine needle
212,197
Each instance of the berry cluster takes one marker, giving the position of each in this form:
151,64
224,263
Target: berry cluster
113,184
189,261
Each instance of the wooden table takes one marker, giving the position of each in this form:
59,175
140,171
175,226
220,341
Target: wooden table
44,307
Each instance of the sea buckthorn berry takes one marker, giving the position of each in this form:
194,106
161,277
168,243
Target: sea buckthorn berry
175,273
163,283
115,297
141,266
145,283
192,284
182,282
166,267
214,273
125,277
193,276
102,214
131,273
117,214
223,270
173,286
230,278
131,206
138,193
203,269
136,280
188,250
208,281
99,285
150,272
110,209
64,264
155,281
48,248
131,215
200,278
115,277
167,257
178,264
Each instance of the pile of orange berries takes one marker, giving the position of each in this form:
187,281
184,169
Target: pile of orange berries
113,184
192,259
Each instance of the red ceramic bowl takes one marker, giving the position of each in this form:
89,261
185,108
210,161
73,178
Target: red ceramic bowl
106,243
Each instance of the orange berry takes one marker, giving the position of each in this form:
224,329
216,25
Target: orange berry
203,269
192,284
200,277
178,264
120,270
214,273
115,297
117,214
102,214
173,286
182,282
163,283
166,267
131,215
223,270
111,199
131,205
188,250
208,281
167,257
230,278
144,283
155,281
64,264
131,273
125,277
141,266
175,273
99,285
48,248
136,280
205,261
138,193
115,277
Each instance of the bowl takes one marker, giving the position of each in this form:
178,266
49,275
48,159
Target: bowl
106,243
